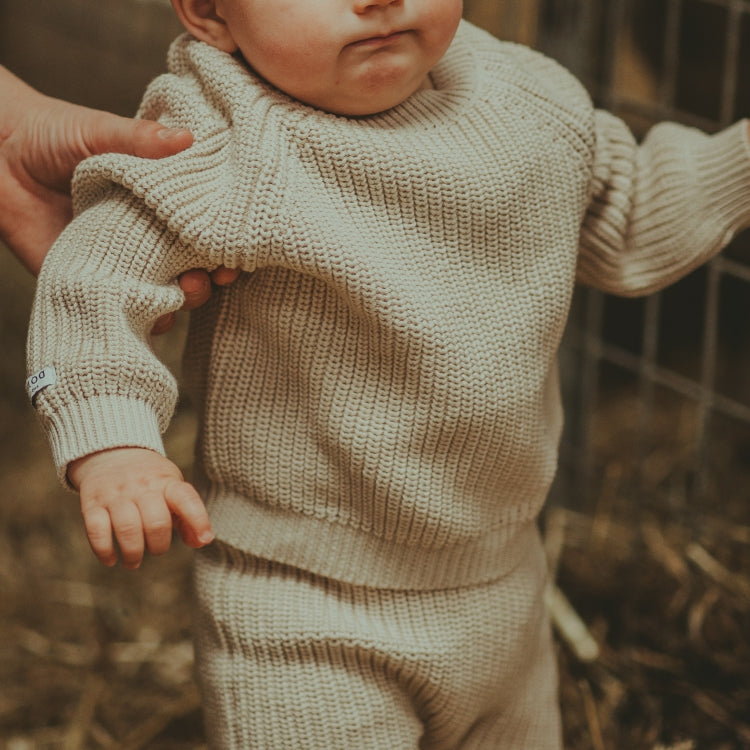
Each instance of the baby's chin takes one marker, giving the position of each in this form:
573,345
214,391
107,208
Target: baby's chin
368,103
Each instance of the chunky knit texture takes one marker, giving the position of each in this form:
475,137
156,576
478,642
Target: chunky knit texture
289,660
378,393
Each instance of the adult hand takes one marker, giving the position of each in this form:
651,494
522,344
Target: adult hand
41,142
196,286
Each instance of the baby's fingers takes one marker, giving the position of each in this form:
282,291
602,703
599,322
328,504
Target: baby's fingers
128,528
191,517
99,531
157,525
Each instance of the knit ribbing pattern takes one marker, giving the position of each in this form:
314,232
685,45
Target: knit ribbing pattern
378,393
286,659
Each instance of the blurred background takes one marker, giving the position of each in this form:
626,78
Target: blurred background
648,528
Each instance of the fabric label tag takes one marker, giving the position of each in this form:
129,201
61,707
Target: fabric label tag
41,380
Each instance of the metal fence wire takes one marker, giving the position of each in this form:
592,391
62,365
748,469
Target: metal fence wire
657,389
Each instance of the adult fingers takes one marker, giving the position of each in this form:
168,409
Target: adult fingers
196,286
163,324
103,132
32,217
30,241
154,141
223,276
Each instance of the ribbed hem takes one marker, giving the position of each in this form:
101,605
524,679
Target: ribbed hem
352,556
97,424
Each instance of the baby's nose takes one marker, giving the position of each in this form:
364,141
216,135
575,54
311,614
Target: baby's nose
362,6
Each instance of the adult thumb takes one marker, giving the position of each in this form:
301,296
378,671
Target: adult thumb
151,140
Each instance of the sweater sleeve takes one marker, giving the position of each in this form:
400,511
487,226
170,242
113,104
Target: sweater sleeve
102,286
139,224
660,209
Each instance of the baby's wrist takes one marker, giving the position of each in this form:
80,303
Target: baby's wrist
110,458
76,471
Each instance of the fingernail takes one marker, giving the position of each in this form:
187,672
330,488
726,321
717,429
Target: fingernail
171,134
206,537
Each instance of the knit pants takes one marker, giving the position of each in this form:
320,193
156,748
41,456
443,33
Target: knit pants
287,660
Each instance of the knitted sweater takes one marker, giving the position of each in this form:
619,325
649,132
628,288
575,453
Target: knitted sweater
378,393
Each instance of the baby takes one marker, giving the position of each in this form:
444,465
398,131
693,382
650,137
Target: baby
411,202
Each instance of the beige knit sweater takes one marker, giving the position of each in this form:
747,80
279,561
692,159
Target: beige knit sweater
378,393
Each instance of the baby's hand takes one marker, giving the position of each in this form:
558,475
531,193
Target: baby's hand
136,496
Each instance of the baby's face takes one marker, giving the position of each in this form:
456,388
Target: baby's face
352,57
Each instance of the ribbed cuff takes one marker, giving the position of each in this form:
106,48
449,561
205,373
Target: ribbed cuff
97,424
723,162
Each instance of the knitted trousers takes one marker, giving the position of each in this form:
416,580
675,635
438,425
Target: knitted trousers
287,660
